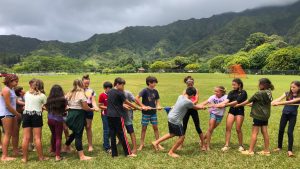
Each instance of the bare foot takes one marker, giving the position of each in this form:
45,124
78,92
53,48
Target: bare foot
155,146
44,159
160,147
141,147
8,158
180,147
84,158
277,150
174,155
67,149
203,148
90,149
132,155
24,160
291,154
17,153
134,151
58,158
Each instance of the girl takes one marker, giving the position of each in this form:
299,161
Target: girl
189,81
237,95
33,120
260,112
91,101
56,107
77,103
8,114
216,114
289,114
19,91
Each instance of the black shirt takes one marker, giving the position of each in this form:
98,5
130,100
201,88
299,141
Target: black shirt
149,98
239,96
115,102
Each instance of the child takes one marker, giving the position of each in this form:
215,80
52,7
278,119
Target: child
20,93
56,106
189,81
260,112
289,114
9,114
33,120
236,96
216,114
90,94
77,104
115,115
128,120
175,120
150,102
103,105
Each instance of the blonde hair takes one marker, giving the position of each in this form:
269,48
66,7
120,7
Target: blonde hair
77,87
222,89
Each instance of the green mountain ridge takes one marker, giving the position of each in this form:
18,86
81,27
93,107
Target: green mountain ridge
220,34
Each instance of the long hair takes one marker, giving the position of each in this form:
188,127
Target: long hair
10,78
290,94
77,87
266,83
40,85
56,102
239,82
34,88
222,89
188,78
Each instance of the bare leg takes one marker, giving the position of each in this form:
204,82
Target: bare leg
255,130
156,133
229,124
8,128
143,134
15,137
239,124
212,125
89,134
175,146
162,139
133,140
264,130
37,133
26,139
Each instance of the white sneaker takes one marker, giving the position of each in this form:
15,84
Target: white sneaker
241,148
225,148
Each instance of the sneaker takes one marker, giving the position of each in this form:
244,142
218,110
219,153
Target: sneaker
225,148
247,153
264,153
241,148
108,151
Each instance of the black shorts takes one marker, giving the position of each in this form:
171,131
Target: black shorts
129,129
33,121
237,113
89,115
176,129
257,122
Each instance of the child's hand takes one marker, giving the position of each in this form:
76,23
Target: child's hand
275,103
145,108
159,108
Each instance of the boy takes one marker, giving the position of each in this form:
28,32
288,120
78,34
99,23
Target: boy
175,120
150,102
115,116
103,105
128,120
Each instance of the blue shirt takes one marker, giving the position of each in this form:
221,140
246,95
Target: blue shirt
13,101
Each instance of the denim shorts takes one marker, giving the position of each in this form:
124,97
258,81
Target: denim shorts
216,117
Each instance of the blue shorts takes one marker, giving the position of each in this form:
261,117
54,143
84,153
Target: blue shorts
146,118
216,117
129,129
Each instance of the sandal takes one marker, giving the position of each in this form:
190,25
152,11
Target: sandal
247,153
225,148
264,153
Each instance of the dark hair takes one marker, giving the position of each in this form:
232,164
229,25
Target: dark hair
86,77
222,88
10,78
56,102
107,84
119,81
290,94
191,91
18,90
188,78
266,84
151,79
32,81
239,82
40,85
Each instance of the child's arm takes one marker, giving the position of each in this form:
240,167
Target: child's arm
288,102
132,105
95,104
19,102
102,107
276,101
158,105
225,103
138,102
198,107
242,104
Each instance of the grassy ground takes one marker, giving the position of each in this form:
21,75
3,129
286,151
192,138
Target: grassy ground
170,86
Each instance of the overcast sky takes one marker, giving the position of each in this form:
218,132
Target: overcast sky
76,20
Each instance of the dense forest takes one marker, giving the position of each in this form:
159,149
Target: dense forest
264,38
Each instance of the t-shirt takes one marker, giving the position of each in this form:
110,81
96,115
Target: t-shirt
34,103
290,109
115,102
239,96
215,100
75,102
129,117
179,110
103,100
261,105
149,98
89,93
20,108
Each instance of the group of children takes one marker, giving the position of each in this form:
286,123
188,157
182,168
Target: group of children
74,111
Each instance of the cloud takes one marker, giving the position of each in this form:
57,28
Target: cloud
75,20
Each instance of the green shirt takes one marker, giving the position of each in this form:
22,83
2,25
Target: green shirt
261,105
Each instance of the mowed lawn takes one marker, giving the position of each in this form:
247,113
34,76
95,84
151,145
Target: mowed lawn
169,87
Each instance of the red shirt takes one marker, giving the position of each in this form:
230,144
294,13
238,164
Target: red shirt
103,100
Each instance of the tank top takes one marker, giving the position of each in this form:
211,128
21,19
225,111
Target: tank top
13,101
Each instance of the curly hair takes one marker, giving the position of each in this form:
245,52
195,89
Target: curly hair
10,78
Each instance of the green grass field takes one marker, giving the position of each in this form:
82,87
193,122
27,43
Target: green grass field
169,87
